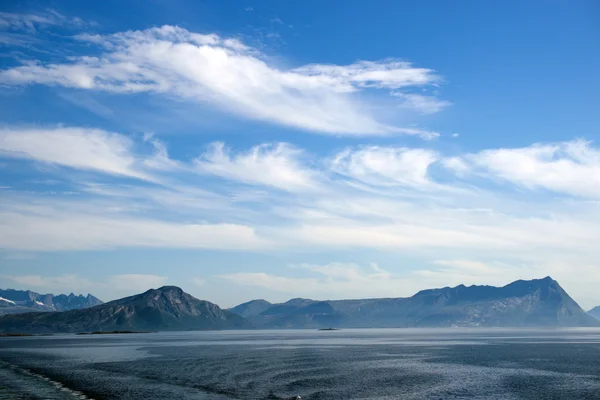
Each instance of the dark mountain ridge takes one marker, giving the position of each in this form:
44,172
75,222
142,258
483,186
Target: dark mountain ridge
20,301
539,302
166,308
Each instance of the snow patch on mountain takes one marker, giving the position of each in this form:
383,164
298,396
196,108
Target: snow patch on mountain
8,301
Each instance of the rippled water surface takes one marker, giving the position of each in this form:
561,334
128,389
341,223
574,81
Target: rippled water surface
346,364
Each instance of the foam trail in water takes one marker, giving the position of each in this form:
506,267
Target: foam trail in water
49,383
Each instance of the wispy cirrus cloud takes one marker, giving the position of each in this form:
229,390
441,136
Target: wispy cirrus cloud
228,75
421,103
278,198
80,148
276,165
55,225
571,167
330,280
384,166
33,22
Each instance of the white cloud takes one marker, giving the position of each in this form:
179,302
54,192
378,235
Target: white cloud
277,165
369,198
74,231
88,103
278,198
160,160
229,75
457,164
334,280
199,282
372,197
420,225
423,104
89,149
386,165
33,22
566,167
389,74
54,222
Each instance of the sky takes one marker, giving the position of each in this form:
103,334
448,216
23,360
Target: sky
273,149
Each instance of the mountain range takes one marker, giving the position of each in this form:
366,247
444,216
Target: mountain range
540,302
19,301
166,308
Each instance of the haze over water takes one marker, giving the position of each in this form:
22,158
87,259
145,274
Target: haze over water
346,364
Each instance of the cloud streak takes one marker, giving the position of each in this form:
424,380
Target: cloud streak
228,75
275,165
79,148
278,196
482,214
33,22
571,168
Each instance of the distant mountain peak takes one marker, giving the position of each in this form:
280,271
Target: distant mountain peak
166,308
169,289
547,279
251,308
595,312
28,301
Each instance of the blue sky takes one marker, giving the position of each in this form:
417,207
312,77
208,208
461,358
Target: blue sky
298,149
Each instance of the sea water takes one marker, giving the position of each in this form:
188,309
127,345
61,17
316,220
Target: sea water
344,364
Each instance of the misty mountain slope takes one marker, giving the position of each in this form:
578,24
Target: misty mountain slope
595,312
540,302
305,314
166,308
251,308
28,301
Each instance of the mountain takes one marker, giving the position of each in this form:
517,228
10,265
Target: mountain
251,308
166,308
27,301
595,312
540,302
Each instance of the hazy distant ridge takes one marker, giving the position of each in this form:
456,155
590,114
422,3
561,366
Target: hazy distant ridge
540,302
595,312
19,301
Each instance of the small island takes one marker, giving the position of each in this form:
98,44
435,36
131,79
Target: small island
110,332
15,334
329,329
